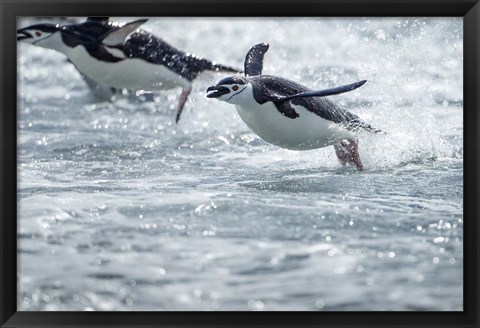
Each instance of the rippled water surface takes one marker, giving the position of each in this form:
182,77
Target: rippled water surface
121,209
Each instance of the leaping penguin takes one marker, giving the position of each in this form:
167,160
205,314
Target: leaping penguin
287,114
121,55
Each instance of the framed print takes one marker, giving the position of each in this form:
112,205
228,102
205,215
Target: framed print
222,163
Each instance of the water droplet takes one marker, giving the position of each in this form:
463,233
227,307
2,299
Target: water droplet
256,305
319,304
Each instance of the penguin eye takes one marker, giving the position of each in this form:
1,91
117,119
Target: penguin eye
38,33
235,88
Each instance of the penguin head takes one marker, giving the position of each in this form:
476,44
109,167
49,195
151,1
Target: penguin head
228,89
39,34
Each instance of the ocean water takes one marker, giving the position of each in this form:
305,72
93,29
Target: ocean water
121,209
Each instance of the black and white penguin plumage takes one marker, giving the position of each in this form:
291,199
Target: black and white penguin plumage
121,55
287,114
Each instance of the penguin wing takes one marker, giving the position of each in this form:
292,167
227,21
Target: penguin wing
254,59
325,92
286,109
276,89
118,36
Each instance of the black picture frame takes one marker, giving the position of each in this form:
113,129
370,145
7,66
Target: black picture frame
11,9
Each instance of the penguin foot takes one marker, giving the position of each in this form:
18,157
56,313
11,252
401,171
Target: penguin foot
181,103
347,153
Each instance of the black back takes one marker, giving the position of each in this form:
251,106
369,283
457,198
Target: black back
140,44
271,88
154,50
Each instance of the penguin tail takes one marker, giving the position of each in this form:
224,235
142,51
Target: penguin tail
223,68
367,127
202,64
357,124
375,130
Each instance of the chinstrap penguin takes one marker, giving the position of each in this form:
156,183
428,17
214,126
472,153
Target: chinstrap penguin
121,55
287,114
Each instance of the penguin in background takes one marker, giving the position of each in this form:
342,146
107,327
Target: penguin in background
122,56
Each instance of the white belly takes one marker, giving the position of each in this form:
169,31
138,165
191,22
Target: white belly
308,131
130,73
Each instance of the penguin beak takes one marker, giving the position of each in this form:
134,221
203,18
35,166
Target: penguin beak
217,91
22,35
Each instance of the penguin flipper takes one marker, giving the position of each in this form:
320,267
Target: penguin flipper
118,36
286,109
254,59
325,92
